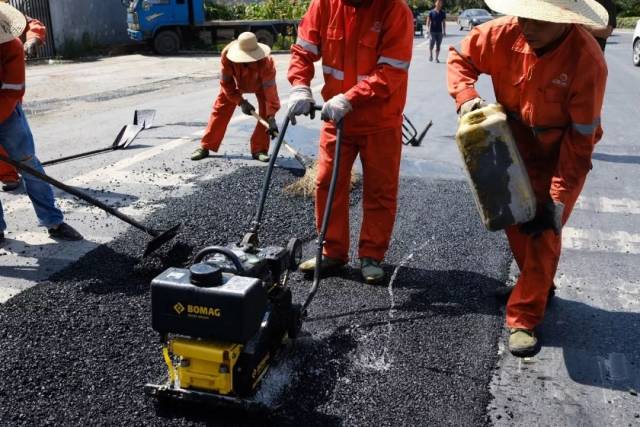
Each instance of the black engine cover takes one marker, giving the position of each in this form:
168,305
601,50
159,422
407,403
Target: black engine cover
230,312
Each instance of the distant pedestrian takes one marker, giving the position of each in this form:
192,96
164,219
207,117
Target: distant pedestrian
15,135
436,23
603,33
247,67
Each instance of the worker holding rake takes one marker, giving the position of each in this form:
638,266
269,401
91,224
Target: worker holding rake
365,47
247,67
33,36
15,135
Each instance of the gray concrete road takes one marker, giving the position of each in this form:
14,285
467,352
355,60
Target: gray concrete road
588,369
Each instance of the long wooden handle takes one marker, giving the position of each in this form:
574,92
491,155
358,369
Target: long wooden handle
79,194
299,157
262,121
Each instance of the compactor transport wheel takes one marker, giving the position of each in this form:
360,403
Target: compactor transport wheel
294,249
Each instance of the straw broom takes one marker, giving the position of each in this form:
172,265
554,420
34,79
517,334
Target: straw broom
305,186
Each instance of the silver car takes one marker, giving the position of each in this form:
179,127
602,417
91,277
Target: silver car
471,17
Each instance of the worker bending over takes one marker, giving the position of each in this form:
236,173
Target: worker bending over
247,67
15,134
549,74
365,47
34,36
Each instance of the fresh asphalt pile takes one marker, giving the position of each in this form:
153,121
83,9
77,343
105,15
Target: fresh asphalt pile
418,350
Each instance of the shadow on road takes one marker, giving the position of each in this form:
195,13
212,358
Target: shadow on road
616,158
601,348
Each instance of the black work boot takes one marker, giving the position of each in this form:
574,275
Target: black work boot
64,231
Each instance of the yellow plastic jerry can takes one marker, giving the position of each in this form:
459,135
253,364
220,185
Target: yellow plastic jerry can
495,170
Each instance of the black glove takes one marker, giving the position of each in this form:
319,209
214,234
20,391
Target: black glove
273,127
247,108
549,217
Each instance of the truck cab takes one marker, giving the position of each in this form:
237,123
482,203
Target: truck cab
163,21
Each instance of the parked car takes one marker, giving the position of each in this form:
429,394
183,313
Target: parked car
636,45
471,17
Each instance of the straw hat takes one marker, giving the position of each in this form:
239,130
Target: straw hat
12,22
585,12
247,49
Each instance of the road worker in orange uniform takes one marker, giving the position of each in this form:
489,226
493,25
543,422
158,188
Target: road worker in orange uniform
33,36
246,68
365,47
549,74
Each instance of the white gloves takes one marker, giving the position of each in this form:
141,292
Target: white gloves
31,47
469,106
300,102
336,108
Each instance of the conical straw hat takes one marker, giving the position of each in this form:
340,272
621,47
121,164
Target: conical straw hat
12,23
585,12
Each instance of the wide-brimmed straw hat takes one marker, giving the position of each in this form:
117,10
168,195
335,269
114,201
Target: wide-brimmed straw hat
585,12
247,49
12,23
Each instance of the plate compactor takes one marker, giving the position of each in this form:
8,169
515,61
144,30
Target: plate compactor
223,321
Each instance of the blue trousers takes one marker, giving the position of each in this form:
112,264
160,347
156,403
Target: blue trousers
17,140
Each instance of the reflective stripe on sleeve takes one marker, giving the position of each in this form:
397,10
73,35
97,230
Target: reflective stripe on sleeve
307,45
12,86
587,129
395,63
334,72
361,78
268,83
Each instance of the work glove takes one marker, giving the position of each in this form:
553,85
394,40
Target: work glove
336,108
300,102
246,107
273,127
549,217
31,47
469,106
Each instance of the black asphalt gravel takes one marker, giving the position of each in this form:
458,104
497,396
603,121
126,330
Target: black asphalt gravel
418,350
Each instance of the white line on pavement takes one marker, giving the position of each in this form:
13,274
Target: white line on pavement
600,241
608,205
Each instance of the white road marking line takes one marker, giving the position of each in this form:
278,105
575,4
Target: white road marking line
601,241
609,205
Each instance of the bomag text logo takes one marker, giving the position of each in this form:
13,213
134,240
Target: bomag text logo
179,308
201,310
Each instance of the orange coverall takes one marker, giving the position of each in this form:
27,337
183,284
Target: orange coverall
554,103
365,52
255,77
35,29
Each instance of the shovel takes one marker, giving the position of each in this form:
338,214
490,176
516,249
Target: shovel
304,161
159,237
142,119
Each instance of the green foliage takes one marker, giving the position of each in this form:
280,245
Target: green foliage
628,7
269,9
277,9
628,21
215,11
